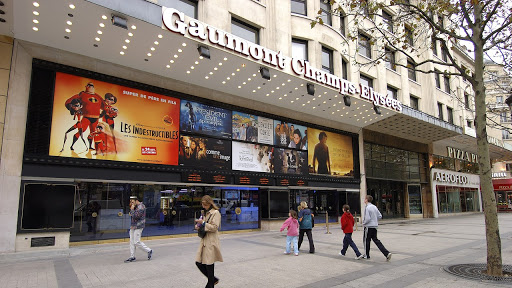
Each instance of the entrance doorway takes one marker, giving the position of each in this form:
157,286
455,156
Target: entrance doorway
388,196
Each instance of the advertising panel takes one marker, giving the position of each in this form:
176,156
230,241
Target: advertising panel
288,161
290,135
330,153
252,128
202,152
99,120
205,119
252,157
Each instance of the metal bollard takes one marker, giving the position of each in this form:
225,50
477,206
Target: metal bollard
327,222
356,220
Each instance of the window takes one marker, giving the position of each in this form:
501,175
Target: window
392,93
367,81
188,7
438,78
411,66
415,102
434,45
440,110
388,21
469,123
444,53
465,69
447,84
499,99
343,25
327,60
325,7
408,37
299,7
503,117
245,31
299,49
466,100
505,134
344,69
449,112
364,47
389,59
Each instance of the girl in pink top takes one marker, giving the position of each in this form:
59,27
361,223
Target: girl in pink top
293,232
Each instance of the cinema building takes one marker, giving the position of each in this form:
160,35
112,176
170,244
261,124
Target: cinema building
171,100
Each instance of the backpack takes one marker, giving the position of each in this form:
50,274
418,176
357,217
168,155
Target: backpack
307,222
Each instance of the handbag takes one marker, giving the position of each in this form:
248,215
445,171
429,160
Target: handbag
201,232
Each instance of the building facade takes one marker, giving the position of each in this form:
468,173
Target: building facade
172,100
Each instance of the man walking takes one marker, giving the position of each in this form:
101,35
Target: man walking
370,224
138,214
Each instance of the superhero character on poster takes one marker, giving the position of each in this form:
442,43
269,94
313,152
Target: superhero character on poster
146,131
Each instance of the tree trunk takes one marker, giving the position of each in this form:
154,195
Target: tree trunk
492,231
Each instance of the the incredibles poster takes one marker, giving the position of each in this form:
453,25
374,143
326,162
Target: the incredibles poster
205,119
99,120
208,153
330,153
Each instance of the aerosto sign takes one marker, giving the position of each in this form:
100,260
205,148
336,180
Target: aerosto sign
174,21
451,178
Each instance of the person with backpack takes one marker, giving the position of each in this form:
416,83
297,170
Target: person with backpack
306,225
347,225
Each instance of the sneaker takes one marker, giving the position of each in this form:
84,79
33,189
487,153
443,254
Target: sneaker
296,254
366,257
216,281
341,254
359,257
388,257
150,253
131,259
286,253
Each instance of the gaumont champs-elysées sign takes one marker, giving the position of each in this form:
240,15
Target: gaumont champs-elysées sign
174,21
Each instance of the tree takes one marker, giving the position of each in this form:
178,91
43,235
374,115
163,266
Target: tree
414,28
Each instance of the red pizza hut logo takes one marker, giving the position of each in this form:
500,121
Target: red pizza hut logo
148,150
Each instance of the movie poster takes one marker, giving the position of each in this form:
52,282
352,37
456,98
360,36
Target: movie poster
252,157
99,120
330,153
252,128
290,135
205,119
202,152
288,161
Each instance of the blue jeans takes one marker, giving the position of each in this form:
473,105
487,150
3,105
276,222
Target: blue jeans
348,241
295,240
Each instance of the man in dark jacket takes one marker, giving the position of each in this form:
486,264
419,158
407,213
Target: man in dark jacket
138,214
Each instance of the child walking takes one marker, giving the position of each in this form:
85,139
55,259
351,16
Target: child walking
347,225
292,224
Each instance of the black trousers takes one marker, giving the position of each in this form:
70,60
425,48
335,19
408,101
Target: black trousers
371,234
310,238
208,271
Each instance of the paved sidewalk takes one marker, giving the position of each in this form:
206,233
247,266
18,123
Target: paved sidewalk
420,249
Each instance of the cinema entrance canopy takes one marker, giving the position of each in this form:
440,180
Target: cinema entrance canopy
146,44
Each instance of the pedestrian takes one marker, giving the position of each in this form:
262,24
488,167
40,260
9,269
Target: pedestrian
292,225
209,247
347,225
138,215
370,224
306,225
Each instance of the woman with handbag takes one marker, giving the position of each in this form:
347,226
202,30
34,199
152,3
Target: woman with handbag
306,225
209,246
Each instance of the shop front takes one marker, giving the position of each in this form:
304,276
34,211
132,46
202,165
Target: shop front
93,140
503,191
455,192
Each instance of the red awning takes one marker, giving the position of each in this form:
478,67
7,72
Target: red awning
502,184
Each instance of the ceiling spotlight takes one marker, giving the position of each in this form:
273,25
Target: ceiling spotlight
377,109
204,51
265,73
311,89
104,17
119,22
346,100
71,6
134,27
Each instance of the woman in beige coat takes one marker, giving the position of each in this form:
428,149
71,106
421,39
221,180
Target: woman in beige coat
209,248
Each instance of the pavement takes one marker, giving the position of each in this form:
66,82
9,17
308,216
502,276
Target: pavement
421,248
